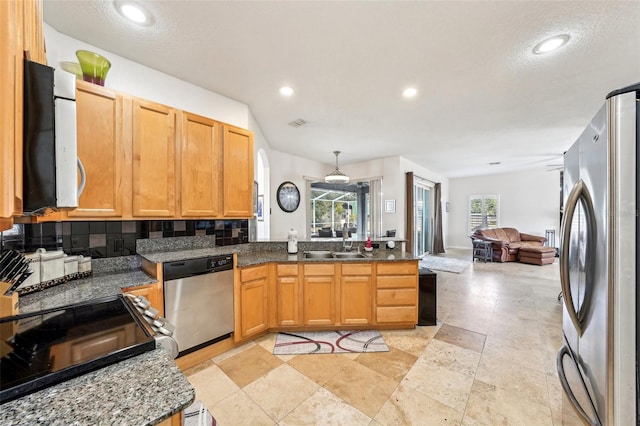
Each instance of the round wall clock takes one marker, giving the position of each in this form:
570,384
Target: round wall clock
288,197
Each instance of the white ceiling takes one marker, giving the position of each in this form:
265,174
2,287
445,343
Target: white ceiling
483,96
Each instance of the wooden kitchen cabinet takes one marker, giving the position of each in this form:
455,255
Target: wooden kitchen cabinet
153,293
175,420
21,34
331,295
237,178
154,159
200,153
356,294
319,294
288,294
397,292
251,302
99,116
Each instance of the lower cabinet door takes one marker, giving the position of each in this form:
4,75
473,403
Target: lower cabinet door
254,315
356,300
319,300
288,293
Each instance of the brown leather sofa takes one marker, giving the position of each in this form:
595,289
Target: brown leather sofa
506,242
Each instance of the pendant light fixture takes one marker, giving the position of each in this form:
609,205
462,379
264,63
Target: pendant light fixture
336,176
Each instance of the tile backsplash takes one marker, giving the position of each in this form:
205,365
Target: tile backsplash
100,239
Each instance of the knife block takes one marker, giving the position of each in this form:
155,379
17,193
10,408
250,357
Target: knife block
8,304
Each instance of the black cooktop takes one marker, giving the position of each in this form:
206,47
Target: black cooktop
43,348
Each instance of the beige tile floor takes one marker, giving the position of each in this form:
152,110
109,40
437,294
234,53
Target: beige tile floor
489,361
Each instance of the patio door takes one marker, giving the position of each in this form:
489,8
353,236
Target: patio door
422,218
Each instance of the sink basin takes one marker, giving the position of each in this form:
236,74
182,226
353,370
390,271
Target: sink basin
326,254
347,255
318,254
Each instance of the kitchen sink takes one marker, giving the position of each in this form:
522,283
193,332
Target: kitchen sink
318,254
348,255
325,254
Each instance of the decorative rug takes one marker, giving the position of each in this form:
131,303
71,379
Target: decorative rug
329,342
441,263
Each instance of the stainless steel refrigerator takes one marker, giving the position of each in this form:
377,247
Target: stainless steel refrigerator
598,362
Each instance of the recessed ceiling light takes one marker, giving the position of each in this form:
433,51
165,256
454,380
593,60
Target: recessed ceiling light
134,12
410,92
286,91
494,163
550,44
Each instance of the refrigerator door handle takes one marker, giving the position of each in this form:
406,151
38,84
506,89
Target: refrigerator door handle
578,193
564,351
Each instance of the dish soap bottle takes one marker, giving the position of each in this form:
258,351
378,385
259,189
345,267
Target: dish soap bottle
367,246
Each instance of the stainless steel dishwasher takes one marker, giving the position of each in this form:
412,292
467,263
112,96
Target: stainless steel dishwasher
198,300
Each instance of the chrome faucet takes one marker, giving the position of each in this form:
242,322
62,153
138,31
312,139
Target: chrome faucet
345,232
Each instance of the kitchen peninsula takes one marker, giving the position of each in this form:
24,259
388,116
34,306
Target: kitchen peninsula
278,291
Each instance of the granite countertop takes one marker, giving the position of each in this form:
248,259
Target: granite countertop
100,284
179,248
259,257
143,390
382,255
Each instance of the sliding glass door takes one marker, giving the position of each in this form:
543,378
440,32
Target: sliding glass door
422,219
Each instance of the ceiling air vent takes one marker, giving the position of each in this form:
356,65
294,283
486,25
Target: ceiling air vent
297,123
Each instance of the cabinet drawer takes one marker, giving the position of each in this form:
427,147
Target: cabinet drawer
283,270
395,268
356,269
395,297
396,314
317,269
253,273
397,281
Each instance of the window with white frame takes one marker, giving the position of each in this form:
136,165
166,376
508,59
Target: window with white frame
483,212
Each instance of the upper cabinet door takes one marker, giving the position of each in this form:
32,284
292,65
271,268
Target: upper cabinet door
200,166
99,118
237,180
21,35
154,149
10,112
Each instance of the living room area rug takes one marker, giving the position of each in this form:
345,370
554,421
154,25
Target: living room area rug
441,263
329,342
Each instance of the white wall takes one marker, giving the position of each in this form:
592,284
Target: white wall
529,202
146,83
262,175
287,167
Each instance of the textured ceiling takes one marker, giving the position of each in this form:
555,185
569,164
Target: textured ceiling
483,96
